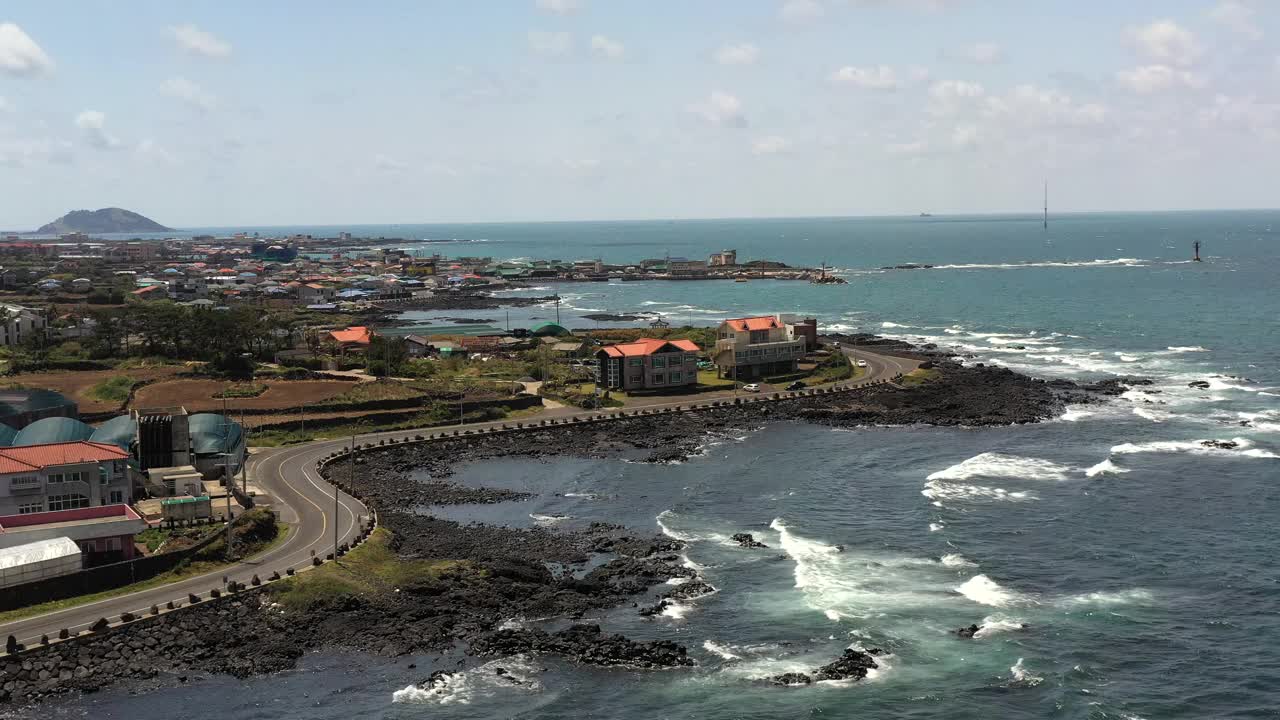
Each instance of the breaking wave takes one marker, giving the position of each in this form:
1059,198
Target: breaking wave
1241,448
985,591
1117,262
1133,596
956,560
461,688
1106,467
999,465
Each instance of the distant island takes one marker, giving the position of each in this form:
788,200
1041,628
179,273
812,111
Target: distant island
106,220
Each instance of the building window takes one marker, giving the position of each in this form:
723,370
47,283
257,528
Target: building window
659,362
659,379
675,376
636,362
28,508
56,478
24,481
117,497
67,502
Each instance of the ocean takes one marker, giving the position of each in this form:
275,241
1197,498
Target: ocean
1139,560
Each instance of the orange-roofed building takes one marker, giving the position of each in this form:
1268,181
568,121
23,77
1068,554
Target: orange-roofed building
63,476
353,338
754,347
648,364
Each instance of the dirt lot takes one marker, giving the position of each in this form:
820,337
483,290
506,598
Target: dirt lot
198,395
75,384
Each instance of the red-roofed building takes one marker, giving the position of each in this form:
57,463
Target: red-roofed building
356,337
104,533
648,364
63,476
150,292
753,347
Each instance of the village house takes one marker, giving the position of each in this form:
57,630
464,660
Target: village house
357,338
754,347
18,322
648,364
63,476
150,292
314,293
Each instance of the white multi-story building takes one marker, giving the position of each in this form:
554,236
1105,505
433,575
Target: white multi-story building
757,346
63,476
19,323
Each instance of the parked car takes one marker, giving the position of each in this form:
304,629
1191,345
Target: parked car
797,385
862,363
751,387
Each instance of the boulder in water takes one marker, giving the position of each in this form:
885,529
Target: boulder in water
747,540
1220,444
1199,384
853,664
967,632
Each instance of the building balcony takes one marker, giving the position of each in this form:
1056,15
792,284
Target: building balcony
69,487
26,489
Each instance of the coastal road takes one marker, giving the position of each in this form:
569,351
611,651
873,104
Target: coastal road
299,496
305,501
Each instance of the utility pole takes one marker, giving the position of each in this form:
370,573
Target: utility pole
226,473
557,308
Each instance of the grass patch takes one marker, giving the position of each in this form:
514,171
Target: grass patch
834,368
372,568
438,415
114,389
241,390
920,376
709,378
207,561
373,391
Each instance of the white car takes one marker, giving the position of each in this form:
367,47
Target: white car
862,363
751,387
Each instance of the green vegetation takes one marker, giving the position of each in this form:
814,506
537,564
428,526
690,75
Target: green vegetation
256,532
372,391
710,378
920,376
114,389
833,368
242,390
437,414
370,569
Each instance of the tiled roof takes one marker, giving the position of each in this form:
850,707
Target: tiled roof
764,322
358,334
34,457
647,346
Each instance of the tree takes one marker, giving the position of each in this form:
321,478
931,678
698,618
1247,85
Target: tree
386,356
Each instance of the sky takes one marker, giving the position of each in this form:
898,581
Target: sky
239,112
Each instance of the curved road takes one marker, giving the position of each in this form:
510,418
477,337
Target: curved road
306,502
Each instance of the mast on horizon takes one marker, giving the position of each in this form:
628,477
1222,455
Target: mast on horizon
1046,204
1197,247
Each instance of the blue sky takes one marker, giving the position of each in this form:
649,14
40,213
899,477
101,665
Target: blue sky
236,112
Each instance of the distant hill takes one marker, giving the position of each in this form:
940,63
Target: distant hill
106,220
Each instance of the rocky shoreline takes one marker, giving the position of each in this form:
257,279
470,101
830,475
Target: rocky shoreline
493,576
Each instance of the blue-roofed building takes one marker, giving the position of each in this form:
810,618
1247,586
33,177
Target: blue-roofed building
52,430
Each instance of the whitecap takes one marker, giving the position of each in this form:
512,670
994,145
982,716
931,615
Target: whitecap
1243,448
955,560
1106,467
936,526
985,591
1075,415
892,325
993,624
999,465
940,491
1132,596
1186,349
549,519
461,688
716,648
1152,415
1022,676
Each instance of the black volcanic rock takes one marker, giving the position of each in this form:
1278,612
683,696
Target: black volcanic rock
106,220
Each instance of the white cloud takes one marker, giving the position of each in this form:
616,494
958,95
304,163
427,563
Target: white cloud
152,150
1149,79
880,77
1237,17
19,54
583,166
770,145
918,147
800,11
386,162
607,48
1165,42
1033,105
965,136
948,97
1261,118
188,92
983,53
23,153
740,54
199,42
559,7
722,109
93,124
550,43
4,105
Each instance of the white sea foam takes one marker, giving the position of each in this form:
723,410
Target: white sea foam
1127,358
461,688
1023,676
676,610
939,492
955,560
1186,349
667,516
1075,415
1132,596
1106,467
999,465
892,325
1152,415
549,519
717,649
936,526
1117,262
832,615
985,591
994,624
1244,448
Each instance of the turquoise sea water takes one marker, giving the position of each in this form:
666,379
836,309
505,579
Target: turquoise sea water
1141,560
